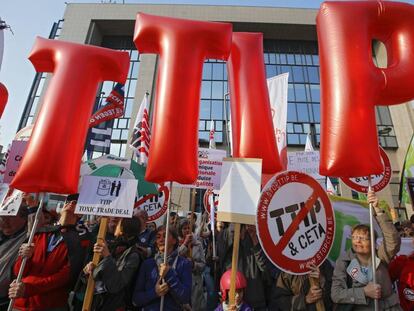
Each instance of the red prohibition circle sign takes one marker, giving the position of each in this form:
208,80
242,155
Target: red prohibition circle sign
274,244
151,217
379,182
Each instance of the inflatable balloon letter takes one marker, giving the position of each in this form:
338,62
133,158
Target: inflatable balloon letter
252,127
182,45
52,159
352,85
4,96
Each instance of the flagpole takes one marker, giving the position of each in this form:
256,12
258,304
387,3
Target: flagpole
226,95
372,234
29,242
167,228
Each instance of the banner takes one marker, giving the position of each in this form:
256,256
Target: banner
278,94
114,107
210,162
107,196
306,162
14,159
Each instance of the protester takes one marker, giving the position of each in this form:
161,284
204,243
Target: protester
13,232
295,292
174,220
152,226
54,261
146,237
117,268
401,270
188,242
240,286
171,280
352,280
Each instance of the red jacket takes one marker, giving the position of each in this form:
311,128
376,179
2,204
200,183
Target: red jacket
46,276
401,269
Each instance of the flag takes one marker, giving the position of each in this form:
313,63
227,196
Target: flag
330,187
113,108
102,121
141,136
212,142
278,90
308,145
407,171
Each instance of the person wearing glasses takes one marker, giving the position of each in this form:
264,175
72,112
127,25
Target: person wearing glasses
352,281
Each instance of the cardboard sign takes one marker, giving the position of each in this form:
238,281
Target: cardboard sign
210,163
240,190
107,196
10,205
17,151
378,182
295,222
306,162
154,204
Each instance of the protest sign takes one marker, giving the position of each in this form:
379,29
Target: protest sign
107,196
154,204
379,181
306,162
10,205
210,163
14,158
295,222
240,190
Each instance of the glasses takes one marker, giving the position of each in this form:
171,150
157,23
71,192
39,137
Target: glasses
360,238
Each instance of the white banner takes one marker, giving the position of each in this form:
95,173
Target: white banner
107,196
210,162
10,205
278,94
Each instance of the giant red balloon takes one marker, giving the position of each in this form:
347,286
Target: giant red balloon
351,85
182,45
52,159
252,127
4,96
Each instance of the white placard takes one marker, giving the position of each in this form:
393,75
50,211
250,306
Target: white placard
240,190
107,196
10,205
210,162
305,162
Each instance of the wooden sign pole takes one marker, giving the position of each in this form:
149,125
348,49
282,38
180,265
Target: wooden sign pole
234,262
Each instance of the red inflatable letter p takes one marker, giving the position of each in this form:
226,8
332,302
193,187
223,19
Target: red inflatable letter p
352,85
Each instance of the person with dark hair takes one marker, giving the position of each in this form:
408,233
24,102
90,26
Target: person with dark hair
54,261
146,237
352,282
13,232
117,268
174,220
156,279
188,241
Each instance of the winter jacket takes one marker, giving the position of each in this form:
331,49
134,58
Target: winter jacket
178,278
346,290
9,248
401,270
51,271
291,290
114,276
198,301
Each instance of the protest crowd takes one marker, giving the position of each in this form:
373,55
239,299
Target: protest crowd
131,274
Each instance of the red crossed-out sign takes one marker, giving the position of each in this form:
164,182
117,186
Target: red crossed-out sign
295,222
379,181
155,204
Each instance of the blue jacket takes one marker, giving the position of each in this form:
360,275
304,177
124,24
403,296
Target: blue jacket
178,279
243,307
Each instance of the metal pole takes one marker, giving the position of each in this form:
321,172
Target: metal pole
167,227
226,95
372,234
30,241
212,222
